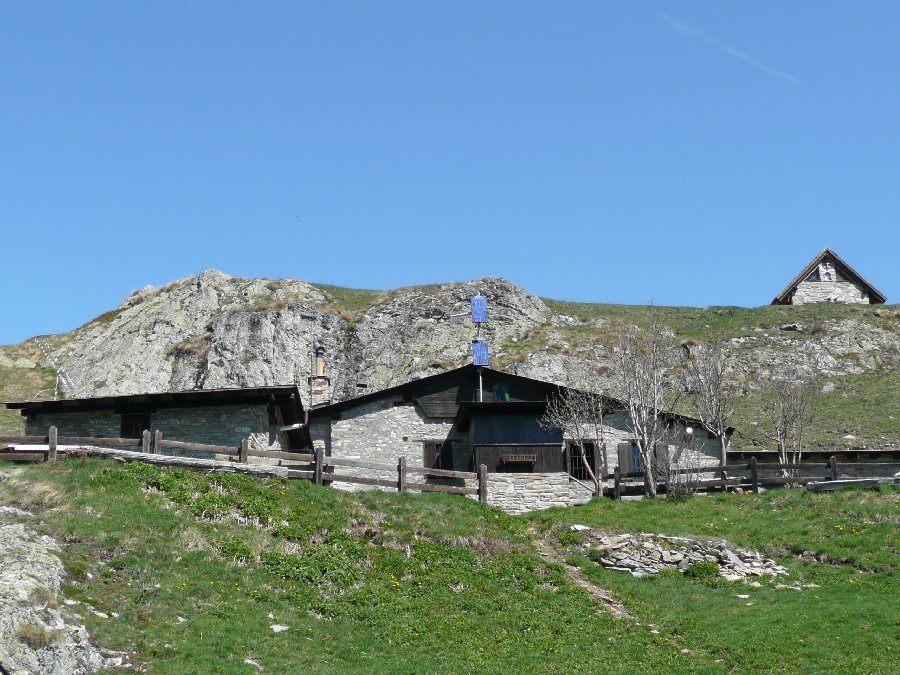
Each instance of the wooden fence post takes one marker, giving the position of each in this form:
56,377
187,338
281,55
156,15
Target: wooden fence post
833,465
317,474
157,442
617,483
482,484
145,441
51,444
244,451
754,475
401,474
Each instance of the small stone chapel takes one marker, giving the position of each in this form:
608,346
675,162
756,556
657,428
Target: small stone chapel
829,278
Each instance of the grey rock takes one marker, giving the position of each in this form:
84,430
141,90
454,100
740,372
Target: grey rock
28,563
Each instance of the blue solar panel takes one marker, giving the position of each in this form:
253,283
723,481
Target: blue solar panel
480,352
479,309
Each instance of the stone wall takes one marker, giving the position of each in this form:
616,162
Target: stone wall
703,451
847,292
221,425
98,424
218,425
523,492
381,431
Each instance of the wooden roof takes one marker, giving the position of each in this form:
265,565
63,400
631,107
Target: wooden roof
286,397
784,298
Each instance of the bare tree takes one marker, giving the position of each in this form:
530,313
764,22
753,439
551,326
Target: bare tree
645,365
578,413
681,477
787,409
713,387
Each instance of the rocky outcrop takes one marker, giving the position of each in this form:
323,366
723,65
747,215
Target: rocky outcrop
39,634
215,330
643,554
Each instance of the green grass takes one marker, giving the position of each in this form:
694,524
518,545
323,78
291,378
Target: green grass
18,384
844,619
359,300
865,406
469,596
385,582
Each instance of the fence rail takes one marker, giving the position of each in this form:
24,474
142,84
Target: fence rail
306,466
748,475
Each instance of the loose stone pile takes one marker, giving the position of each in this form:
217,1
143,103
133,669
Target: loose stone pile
644,554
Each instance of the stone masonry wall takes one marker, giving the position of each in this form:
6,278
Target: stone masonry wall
380,431
847,292
523,492
220,425
97,424
617,429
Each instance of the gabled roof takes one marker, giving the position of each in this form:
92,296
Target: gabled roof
784,298
411,388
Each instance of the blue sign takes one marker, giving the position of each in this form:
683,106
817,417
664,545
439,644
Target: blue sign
480,352
479,309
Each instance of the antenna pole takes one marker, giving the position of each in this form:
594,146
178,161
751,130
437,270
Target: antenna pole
480,388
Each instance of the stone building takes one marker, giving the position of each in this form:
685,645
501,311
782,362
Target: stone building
828,278
469,416
212,416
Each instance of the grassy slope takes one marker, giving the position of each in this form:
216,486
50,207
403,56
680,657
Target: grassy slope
866,406
17,384
152,545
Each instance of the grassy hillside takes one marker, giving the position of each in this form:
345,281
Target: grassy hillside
19,383
193,571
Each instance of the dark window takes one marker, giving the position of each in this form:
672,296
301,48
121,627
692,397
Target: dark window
439,455
576,465
134,424
814,276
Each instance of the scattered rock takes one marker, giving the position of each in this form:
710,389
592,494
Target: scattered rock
12,511
278,628
579,528
651,553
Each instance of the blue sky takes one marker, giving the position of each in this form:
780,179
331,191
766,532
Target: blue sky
688,153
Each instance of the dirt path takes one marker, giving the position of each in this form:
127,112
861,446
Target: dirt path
600,595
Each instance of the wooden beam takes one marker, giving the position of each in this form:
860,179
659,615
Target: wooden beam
401,474
51,444
482,484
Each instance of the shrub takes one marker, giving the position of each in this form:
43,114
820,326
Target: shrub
702,570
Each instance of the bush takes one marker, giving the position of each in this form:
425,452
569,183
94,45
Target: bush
702,570
706,572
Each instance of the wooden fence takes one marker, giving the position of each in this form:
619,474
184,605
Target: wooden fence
748,475
315,466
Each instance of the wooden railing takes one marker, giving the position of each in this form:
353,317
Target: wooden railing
313,466
748,475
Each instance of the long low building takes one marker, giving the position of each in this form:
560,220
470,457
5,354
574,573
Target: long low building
213,416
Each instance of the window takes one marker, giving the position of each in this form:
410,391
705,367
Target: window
134,424
576,465
439,455
636,463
